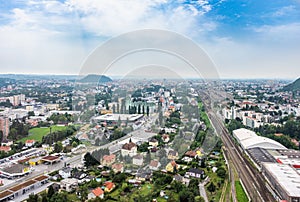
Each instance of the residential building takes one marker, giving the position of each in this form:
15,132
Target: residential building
4,126
138,160
172,155
65,172
154,165
172,167
69,184
109,186
129,149
98,192
118,168
153,142
195,172
29,143
108,160
5,148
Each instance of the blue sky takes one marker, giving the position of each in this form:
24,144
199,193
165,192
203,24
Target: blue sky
245,39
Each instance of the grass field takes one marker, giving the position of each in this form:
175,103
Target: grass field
240,193
38,133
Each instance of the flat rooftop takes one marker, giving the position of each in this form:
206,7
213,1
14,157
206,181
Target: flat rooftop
15,168
286,176
260,155
115,117
50,158
23,185
41,178
290,153
5,194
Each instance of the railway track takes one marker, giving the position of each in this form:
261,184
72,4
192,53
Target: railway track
250,177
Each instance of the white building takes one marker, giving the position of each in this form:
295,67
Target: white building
248,139
138,160
129,149
284,180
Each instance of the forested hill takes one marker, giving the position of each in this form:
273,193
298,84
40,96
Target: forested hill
295,86
93,78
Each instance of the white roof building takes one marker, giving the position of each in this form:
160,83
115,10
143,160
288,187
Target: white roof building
284,179
248,139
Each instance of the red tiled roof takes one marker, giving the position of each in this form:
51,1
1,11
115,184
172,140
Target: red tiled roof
173,163
109,185
109,157
117,166
98,191
5,148
30,141
191,153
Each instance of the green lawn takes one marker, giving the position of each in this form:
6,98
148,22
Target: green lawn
240,193
38,133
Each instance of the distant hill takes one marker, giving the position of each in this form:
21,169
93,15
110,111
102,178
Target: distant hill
25,77
295,86
6,81
93,78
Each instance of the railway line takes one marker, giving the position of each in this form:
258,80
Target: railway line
250,177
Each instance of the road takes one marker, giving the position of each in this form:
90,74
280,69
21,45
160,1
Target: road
76,160
251,178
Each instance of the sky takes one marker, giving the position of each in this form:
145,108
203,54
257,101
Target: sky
243,38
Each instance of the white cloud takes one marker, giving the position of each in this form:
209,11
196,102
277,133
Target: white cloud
284,11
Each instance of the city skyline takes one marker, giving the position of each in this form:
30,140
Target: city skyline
243,39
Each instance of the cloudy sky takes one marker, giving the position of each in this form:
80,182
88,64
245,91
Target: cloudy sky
244,39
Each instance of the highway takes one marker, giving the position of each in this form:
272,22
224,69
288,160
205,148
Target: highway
250,177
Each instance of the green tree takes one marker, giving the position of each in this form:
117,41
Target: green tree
32,198
211,187
221,172
74,144
58,147
83,192
120,177
199,199
50,192
59,197
13,133
31,113
89,160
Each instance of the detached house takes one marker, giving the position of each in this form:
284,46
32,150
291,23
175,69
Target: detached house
109,186
153,142
154,165
138,160
98,192
118,168
65,172
129,149
29,143
108,160
172,155
172,167
165,138
194,172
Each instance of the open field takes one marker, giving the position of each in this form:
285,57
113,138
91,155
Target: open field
38,133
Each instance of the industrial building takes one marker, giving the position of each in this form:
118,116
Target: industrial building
284,180
248,139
